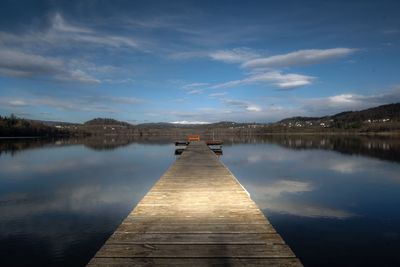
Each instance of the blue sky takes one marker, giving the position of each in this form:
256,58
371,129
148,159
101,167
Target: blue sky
196,61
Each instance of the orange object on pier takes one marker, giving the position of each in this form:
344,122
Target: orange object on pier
193,137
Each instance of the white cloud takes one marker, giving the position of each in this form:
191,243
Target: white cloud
222,94
191,85
84,103
342,99
126,100
195,92
59,24
301,57
253,108
284,81
17,103
194,88
242,104
60,33
119,81
276,78
78,76
237,55
188,55
16,63
265,68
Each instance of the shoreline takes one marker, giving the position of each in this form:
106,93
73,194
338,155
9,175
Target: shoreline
333,133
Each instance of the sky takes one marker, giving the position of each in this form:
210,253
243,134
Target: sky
196,61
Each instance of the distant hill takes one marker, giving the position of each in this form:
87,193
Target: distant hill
390,111
156,125
106,121
383,118
299,118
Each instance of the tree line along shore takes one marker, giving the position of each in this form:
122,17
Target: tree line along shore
382,119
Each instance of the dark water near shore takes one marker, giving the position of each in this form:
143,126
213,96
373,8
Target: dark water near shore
334,199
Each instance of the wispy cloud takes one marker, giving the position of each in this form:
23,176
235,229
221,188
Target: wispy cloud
349,101
195,92
20,64
107,104
17,63
60,33
193,85
217,95
126,100
119,81
195,88
237,55
242,104
78,76
300,57
276,78
17,103
188,55
265,70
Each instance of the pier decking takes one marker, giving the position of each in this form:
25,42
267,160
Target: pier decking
197,214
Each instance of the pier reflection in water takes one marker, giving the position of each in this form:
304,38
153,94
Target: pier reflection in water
334,199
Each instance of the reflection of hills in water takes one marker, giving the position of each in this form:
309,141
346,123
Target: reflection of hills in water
110,143
382,147
14,145
17,144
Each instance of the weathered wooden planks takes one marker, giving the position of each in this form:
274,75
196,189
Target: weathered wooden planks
197,214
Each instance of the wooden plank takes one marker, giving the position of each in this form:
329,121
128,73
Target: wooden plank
196,228
198,251
196,220
177,238
197,214
198,262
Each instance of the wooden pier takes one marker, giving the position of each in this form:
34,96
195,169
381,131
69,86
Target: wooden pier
197,214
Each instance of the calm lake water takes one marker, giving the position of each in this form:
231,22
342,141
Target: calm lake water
334,199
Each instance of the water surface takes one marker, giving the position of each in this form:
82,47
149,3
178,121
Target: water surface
334,199
59,203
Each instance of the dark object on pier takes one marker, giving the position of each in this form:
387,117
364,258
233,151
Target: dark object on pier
217,151
181,143
214,142
179,151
